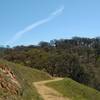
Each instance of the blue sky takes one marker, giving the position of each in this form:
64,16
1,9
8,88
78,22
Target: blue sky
48,19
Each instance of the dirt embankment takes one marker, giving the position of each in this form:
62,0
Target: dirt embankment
8,81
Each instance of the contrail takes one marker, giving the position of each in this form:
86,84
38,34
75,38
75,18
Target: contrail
34,25
58,11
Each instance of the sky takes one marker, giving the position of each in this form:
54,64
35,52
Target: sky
25,22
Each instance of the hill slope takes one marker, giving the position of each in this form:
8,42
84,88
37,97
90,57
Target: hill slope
74,90
16,83
21,79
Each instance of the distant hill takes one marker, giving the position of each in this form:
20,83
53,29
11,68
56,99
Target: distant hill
16,81
74,90
77,58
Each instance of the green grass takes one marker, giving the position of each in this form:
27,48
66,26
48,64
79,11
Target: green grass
26,76
74,90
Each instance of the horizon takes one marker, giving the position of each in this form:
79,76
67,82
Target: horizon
31,21
37,44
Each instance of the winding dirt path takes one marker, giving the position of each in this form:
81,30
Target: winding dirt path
48,93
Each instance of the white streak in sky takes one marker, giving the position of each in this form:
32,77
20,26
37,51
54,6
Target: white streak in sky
34,25
59,11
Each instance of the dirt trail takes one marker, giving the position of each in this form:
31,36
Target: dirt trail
48,93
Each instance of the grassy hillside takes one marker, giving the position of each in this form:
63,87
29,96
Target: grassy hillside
25,76
74,90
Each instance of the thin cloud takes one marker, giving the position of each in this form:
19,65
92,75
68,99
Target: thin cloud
19,34
58,11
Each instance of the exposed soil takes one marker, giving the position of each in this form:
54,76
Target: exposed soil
8,81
